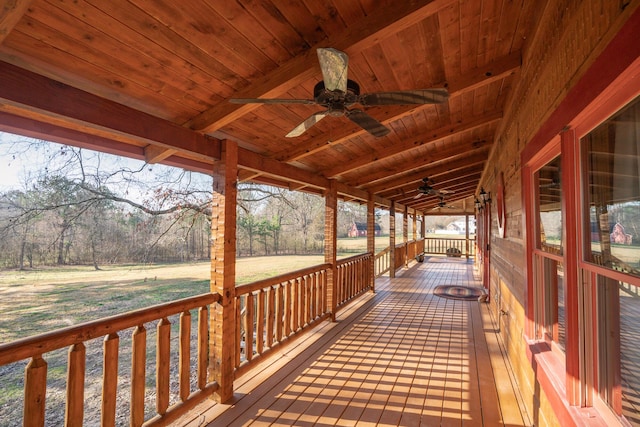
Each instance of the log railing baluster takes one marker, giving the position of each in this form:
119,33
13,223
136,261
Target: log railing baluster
203,346
163,353
271,315
260,322
109,379
279,312
74,411
138,370
35,390
248,327
184,356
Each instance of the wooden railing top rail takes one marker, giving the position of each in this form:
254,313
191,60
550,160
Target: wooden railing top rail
264,283
353,258
65,337
384,251
448,238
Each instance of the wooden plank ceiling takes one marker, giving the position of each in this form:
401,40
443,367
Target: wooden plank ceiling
152,79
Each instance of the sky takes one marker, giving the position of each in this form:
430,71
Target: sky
10,170
15,169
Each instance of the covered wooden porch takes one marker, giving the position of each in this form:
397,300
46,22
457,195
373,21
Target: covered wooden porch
401,356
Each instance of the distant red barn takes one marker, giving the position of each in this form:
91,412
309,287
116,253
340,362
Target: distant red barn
359,229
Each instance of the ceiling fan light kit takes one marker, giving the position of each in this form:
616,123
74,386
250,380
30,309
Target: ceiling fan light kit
337,94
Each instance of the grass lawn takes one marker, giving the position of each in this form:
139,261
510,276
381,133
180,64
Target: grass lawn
41,300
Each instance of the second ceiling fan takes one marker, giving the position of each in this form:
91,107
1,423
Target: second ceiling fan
337,94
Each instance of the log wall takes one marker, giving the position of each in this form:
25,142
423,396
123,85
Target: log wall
570,37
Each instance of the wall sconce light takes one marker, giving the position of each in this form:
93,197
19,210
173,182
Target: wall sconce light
484,196
478,204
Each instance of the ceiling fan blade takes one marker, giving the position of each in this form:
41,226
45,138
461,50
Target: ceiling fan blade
333,64
406,97
270,101
417,196
310,121
367,122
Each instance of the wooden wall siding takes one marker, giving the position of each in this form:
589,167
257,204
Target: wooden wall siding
568,38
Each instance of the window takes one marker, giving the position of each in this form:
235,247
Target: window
611,235
549,278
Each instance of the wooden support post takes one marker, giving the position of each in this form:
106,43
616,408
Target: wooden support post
405,235
223,269
392,240
415,226
423,227
330,244
371,240
466,234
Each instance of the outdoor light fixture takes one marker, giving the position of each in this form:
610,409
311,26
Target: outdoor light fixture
478,204
484,196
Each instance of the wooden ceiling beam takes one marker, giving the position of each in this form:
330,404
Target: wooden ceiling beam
460,85
466,161
419,163
360,35
462,181
404,147
10,13
155,154
255,162
36,97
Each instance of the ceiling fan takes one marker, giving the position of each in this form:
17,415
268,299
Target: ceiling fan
442,204
337,94
427,189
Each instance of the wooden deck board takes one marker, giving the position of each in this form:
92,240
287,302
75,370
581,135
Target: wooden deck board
400,357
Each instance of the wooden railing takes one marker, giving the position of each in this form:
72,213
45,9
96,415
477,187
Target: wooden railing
440,246
401,250
75,337
353,278
411,249
270,311
382,262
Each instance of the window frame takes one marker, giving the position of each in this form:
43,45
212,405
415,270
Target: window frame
571,384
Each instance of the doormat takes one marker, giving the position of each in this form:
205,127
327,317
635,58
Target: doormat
458,292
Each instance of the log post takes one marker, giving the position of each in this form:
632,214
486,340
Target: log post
223,269
405,235
392,240
330,245
371,241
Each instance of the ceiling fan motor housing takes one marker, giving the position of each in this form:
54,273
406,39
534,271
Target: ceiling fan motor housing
336,101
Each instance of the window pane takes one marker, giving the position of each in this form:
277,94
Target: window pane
549,207
619,361
612,163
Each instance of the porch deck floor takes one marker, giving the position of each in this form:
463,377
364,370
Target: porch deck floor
400,357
